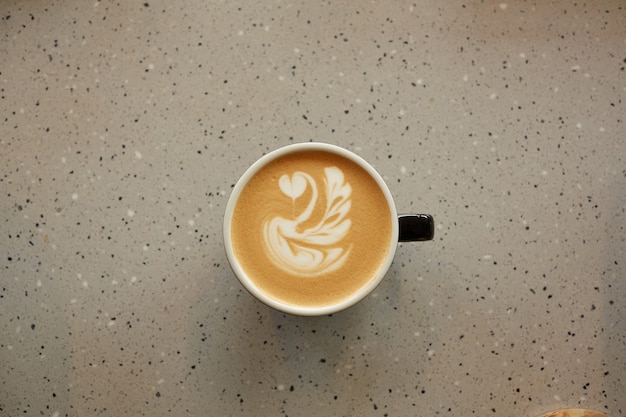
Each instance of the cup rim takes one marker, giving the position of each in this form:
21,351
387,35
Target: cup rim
248,283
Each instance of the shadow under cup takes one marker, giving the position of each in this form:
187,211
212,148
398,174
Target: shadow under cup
311,229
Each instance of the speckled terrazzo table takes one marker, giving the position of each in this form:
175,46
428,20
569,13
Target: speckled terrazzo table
124,126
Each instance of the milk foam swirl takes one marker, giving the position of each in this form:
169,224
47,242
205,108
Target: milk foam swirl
316,249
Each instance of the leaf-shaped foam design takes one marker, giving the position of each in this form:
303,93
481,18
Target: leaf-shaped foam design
317,249
292,187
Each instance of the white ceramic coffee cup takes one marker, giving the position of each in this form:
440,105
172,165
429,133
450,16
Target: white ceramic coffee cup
422,225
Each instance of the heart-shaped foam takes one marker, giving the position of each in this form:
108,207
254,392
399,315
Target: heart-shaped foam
292,187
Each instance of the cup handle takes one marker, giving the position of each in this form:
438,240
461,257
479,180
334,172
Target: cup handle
416,227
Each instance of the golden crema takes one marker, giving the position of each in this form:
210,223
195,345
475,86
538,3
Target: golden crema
311,228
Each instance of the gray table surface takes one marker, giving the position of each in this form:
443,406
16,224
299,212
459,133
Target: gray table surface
124,126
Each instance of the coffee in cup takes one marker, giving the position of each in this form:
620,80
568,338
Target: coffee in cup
311,229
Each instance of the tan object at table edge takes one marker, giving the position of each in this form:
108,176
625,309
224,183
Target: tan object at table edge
574,412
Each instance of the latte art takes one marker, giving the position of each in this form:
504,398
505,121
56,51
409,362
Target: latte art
310,229
305,249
